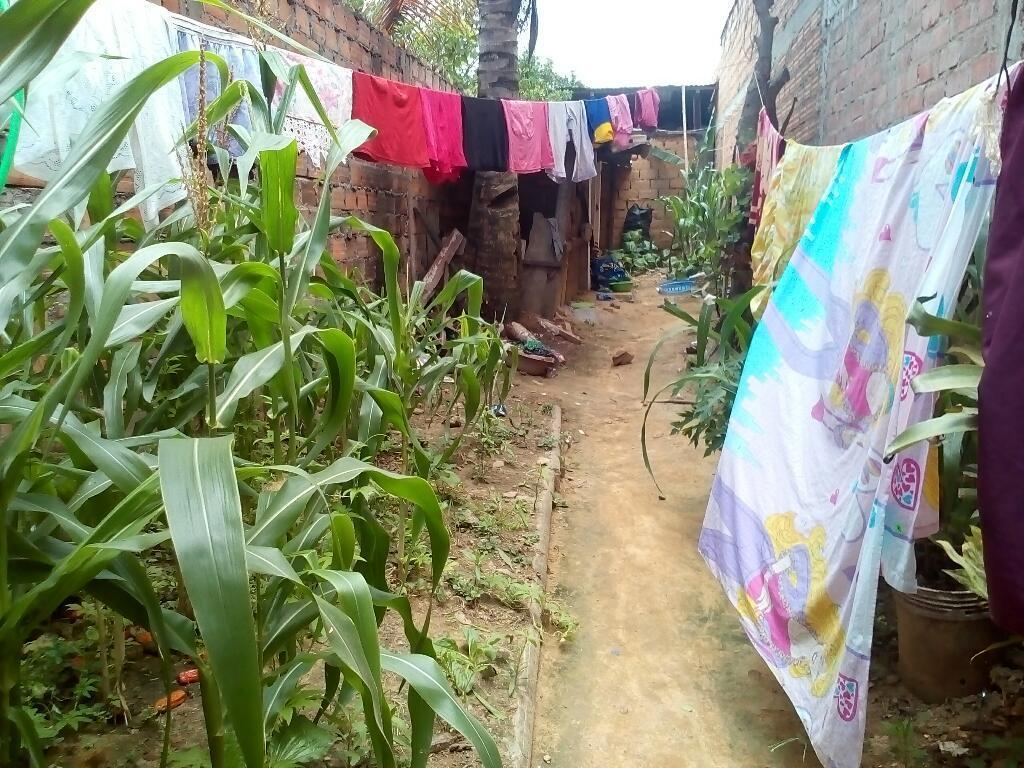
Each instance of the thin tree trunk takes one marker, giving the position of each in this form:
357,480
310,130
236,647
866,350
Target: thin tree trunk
493,243
763,88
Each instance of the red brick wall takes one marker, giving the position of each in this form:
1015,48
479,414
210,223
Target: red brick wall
859,66
386,196
645,182
383,195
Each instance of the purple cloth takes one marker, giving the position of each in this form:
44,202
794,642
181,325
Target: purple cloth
1001,405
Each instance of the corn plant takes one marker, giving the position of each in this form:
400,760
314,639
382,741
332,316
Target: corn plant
217,388
724,330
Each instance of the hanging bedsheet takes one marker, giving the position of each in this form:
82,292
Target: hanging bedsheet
333,85
805,512
243,64
794,190
82,77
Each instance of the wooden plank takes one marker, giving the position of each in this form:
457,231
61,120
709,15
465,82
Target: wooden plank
451,246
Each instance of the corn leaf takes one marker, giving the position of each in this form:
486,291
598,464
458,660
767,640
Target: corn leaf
427,678
200,494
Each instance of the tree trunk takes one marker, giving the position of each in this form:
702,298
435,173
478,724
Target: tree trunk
493,242
763,89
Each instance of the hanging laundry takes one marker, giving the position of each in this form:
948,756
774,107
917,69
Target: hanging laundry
485,134
79,80
243,64
396,111
805,511
529,143
333,86
1001,410
648,103
796,187
622,120
442,124
768,151
599,121
567,121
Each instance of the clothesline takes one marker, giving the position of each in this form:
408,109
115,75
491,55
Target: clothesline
441,133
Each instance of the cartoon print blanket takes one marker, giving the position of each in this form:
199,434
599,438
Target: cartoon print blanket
805,510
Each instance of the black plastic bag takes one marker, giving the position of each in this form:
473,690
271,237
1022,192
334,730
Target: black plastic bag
639,217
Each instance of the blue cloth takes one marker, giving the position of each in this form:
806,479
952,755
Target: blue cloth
597,113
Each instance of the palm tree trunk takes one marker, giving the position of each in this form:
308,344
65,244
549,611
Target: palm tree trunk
493,242
498,75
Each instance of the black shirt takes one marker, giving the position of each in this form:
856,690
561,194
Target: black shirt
484,134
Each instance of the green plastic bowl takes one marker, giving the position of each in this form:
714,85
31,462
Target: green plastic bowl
623,286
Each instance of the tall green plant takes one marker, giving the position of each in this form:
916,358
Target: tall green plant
218,388
707,217
723,330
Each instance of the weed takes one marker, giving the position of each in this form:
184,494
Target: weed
61,684
905,745
513,593
468,659
1000,752
547,443
494,436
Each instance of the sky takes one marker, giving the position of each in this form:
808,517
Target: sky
664,42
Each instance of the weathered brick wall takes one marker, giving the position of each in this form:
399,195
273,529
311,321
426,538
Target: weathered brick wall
798,43
386,196
859,66
648,180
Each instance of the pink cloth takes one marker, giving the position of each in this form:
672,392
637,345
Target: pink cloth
529,145
442,122
769,147
622,120
648,102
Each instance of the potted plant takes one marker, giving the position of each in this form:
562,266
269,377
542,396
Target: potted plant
948,614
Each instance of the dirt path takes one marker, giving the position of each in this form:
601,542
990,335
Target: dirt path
660,675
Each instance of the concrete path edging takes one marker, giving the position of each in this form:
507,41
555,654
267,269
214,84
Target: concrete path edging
521,742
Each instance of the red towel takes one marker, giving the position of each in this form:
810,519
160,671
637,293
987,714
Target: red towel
396,111
442,122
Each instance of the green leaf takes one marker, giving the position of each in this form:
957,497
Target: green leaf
340,361
963,421
311,244
252,371
344,641
123,466
276,694
277,171
948,377
202,308
30,736
927,324
204,512
353,595
30,36
74,276
82,563
269,561
300,743
126,359
427,678
135,319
